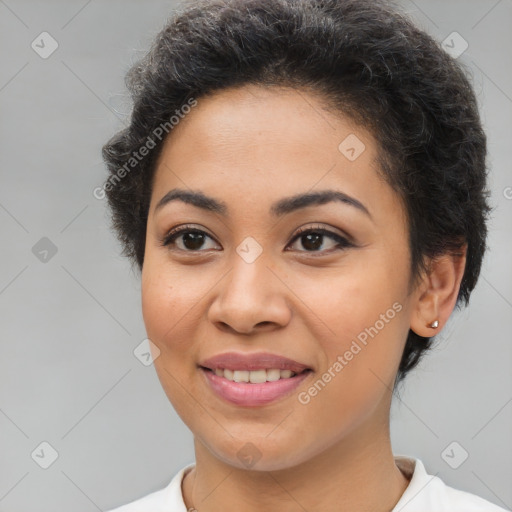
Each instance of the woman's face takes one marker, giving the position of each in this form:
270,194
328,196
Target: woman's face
244,280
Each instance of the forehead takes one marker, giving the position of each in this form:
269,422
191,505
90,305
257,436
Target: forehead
281,118
255,144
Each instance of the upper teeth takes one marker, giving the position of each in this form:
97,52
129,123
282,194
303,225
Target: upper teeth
254,376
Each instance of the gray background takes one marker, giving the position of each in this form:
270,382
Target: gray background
69,324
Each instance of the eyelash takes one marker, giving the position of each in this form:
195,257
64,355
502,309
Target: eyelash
342,242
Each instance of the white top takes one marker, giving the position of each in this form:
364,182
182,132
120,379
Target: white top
425,493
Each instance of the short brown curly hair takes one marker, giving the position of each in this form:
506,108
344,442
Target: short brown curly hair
368,61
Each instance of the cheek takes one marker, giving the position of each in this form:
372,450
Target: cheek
366,329
358,367
354,298
166,313
170,303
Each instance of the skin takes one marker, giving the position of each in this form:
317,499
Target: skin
249,147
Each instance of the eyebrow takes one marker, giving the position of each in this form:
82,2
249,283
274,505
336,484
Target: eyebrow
278,209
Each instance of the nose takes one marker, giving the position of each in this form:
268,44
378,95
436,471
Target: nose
250,298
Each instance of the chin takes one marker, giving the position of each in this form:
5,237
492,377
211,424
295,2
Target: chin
260,454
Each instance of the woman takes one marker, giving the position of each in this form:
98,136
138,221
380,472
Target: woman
303,188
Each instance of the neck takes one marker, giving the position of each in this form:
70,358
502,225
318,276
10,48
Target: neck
353,475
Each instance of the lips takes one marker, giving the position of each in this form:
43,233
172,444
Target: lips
253,380
248,362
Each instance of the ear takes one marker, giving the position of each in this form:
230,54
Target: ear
436,293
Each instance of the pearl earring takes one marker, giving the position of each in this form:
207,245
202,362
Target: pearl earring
434,324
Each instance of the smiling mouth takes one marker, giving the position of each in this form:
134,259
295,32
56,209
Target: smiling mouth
259,376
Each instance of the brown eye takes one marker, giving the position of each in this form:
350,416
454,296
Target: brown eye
189,239
312,239
186,239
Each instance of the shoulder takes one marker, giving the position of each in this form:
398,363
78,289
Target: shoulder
146,503
428,493
161,500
